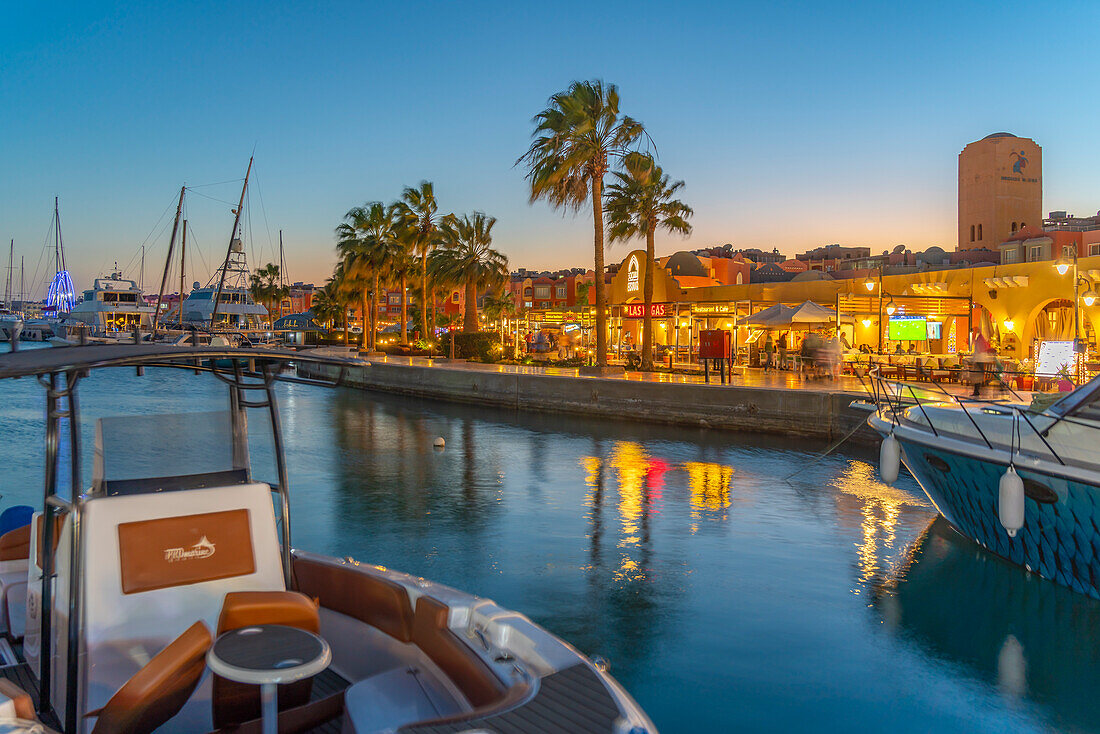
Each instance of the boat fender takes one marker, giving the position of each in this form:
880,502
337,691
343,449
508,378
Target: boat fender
439,442
889,459
1010,505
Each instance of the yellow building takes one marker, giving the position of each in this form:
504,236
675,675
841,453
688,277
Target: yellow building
1015,305
1000,189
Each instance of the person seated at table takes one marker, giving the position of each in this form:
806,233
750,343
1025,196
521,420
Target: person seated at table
864,349
898,349
912,348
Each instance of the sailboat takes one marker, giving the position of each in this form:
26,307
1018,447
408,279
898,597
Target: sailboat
11,323
225,302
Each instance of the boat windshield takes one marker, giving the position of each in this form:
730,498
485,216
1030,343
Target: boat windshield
149,453
1084,402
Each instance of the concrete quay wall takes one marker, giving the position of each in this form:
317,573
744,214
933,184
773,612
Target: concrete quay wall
812,413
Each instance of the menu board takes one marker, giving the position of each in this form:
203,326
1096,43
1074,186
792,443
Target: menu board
1053,357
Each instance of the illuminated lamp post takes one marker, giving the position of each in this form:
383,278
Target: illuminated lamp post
1062,265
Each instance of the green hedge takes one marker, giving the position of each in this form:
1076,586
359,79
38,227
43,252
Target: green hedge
482,346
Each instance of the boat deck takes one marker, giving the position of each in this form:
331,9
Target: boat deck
574,695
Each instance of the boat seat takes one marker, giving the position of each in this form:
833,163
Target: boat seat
372,599
387,701
432,635
154,564
235,703
14,517
15,551
159,690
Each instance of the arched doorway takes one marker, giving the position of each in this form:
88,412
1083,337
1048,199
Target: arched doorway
1054,322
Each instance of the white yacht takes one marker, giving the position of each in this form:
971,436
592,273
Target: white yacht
236,307
11,325
113,307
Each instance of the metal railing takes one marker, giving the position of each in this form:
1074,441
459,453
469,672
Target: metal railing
895,399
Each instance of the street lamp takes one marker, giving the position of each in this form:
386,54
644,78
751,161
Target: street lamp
869,284
890,307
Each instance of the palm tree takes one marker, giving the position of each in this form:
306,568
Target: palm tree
467,256
365,240
418,211
343,290
638,202
402,264
576,136
497,306
325,306
266,287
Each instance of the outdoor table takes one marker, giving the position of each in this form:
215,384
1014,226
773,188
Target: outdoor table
267,655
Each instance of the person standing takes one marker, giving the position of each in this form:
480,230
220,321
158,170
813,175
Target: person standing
782,346
980,361
769,350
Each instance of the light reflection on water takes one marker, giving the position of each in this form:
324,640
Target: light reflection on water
724,597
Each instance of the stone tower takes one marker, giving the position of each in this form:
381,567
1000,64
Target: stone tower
1000,189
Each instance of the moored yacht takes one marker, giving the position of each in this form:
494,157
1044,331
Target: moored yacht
11,325
1022,483
166,594
114,307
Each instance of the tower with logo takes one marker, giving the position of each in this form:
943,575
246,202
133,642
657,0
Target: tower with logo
1000,189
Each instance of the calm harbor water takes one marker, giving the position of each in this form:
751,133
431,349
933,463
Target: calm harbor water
733,582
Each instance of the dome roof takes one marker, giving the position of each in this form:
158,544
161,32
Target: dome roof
998,135
684,263
811,275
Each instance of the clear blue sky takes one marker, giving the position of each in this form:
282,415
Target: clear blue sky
793,125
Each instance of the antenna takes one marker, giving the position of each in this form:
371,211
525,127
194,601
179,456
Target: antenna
7,284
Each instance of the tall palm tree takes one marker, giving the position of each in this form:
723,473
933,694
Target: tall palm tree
266,287
498,305
365,240
343,289
402,266
640,200
576,137
418,210
467,256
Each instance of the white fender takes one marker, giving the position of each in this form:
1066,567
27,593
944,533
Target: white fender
1010,504
889,459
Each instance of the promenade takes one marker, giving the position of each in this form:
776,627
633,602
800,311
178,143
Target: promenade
776,402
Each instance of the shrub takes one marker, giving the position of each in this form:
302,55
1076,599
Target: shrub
482,346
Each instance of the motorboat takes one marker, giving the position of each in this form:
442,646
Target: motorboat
1022,482
113,308
156,595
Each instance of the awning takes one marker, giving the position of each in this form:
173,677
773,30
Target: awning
808,313
296,322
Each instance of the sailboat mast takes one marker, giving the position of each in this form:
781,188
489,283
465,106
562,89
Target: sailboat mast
7,284
183,263
168,261
141,281
282,272
229,250
58,243
22,293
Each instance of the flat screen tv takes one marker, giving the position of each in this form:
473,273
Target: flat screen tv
908,329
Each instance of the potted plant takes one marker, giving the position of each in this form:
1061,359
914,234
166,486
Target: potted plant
1025,379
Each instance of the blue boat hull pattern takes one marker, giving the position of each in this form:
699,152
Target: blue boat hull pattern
1060,539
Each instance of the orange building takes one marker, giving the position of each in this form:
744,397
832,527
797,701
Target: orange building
1000,189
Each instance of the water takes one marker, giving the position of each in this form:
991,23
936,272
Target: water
724,596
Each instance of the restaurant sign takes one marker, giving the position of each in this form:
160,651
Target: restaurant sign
711,308
637,310
632,275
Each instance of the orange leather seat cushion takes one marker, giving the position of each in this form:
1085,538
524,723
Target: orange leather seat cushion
245,608
432,635
159,690
379,602
15,545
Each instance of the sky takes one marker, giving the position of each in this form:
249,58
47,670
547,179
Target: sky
793,125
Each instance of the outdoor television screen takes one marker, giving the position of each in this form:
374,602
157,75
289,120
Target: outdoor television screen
908,329
935,330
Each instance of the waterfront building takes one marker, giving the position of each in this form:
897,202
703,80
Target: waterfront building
1000,189
1016,305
